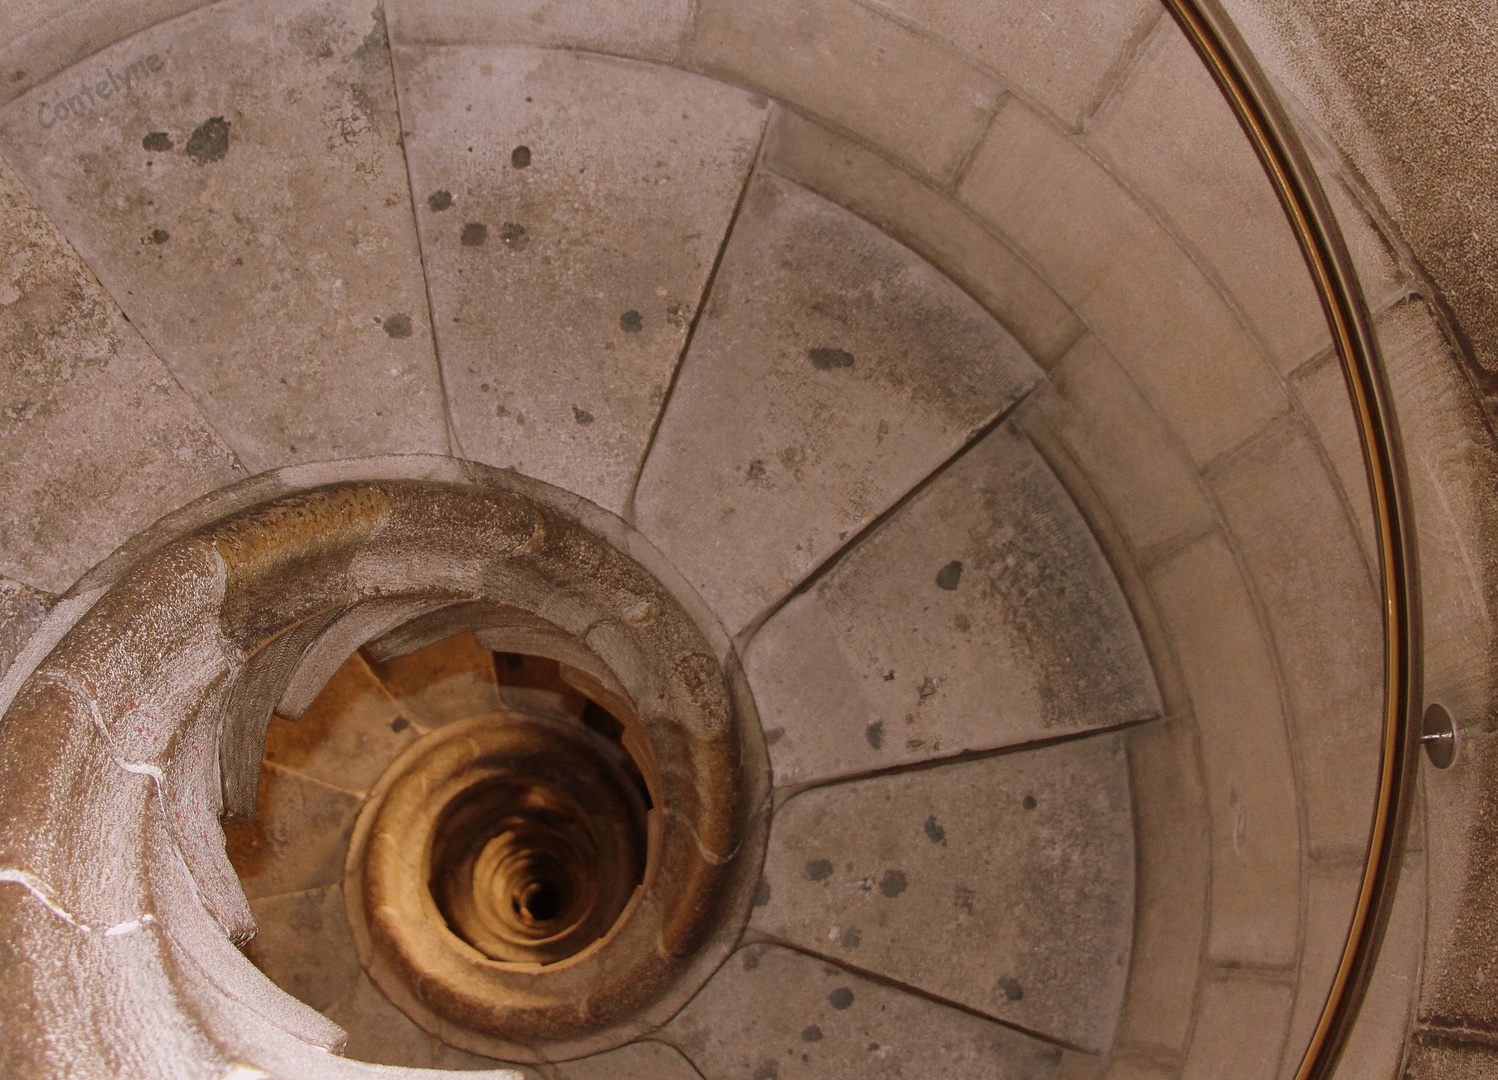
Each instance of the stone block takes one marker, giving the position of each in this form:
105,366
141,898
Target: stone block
452,1059
22,610
379,1032
1128,1067
646,29
774,1013
1452,478
1127,278
1240,1029
1004,884
1325,620
1226,665
244,198
858,70
571,208
352,731
1322,392
447,681
1375,1048
1172,846
1063,55
637,1061
1381,273
1172,136
297,840
1455,987
981,614
1331,896
96,438
1129,455
832,370
38,38
1432,1057
930,222
304,946
1079,1066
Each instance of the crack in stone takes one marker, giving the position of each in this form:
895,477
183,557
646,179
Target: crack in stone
138,768
44,892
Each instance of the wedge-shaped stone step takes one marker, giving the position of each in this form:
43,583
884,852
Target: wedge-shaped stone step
298,837
571,207
96,439
637,1061
1004,884
832,370
234,177
775,1013
352,731
980,615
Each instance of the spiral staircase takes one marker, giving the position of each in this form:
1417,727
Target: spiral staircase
777,539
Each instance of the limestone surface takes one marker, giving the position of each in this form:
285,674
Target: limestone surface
235,178
571,209
771,1012
1004,884
832,371
980,615
97,440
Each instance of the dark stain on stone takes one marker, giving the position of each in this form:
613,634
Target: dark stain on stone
1029,802
520,157
889,676
582,416
514,236
375,42
398,326
851,938
1011,990
158,142
893,883
630,322
399,724
818,870
811,1034
762,893
774,735
964,898
756,469
874,733
160,236
948,576
934,832
825,359
440,200
926,689
209,141
769,1069
841,998
474,234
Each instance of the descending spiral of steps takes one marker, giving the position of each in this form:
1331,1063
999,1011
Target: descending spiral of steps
761,540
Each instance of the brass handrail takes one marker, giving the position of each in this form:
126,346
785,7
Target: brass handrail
1278,145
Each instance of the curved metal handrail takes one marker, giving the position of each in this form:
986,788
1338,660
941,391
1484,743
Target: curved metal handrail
1285,160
